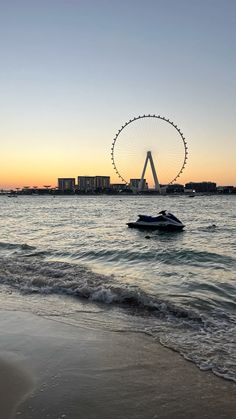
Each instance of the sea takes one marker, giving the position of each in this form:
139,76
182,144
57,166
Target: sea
73,259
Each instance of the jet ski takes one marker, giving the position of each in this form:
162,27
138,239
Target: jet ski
164,221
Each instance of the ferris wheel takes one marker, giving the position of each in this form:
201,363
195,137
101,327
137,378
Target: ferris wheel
150,139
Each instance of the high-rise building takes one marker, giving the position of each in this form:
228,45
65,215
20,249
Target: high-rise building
66,184
86,183
102,182
93,183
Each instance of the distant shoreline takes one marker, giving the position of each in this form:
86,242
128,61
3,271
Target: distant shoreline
121,194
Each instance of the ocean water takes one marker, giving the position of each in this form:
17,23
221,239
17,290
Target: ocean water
74,259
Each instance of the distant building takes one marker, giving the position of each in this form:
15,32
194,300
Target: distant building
226,189
134,184
118,187
93,183
209,187
66,184
102,182
175,188
86,183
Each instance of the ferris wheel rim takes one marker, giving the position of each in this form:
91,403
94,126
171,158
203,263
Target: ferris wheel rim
163,118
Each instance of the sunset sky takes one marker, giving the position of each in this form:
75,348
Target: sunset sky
74,71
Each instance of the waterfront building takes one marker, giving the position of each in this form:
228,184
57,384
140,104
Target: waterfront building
118,187
66,184
174,188
209,187
226,189
86,183
102,182
93,183
134,184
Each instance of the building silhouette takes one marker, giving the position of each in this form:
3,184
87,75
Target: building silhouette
86,184
93,183
135,184
66,184
209,187
102,182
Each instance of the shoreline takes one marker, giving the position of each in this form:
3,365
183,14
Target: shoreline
85,373
119,195
15,384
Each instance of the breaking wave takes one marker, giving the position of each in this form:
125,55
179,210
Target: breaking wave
50,277
204,336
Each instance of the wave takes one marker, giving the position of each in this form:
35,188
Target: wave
202,336
65,278
170,257
174,257
36,275
13,246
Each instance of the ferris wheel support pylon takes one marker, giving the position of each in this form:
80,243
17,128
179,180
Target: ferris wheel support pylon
154,174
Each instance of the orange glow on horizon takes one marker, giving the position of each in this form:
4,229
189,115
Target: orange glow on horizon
44,169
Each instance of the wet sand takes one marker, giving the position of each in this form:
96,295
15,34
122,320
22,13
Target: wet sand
15,384
54,370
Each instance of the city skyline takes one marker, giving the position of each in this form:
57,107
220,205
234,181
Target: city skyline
74,72
75,183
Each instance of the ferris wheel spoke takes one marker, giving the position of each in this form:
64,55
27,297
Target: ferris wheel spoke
128,150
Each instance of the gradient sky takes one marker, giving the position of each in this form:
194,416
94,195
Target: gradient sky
73,71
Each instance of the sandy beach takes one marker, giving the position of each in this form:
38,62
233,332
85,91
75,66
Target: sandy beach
15,384
55,370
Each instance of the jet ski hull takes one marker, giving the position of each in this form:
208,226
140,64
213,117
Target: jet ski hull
158,226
